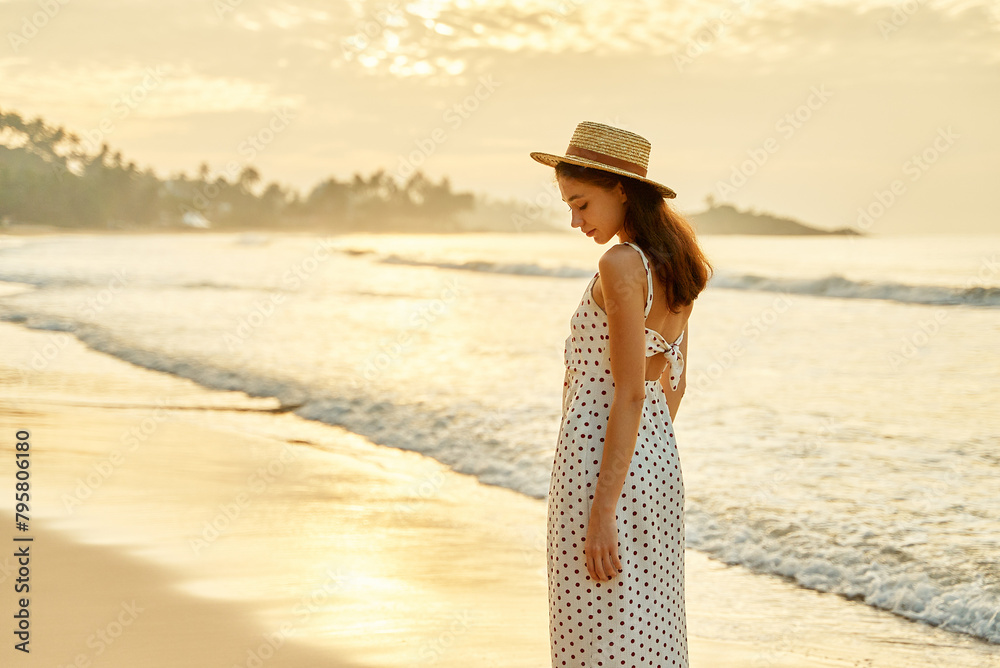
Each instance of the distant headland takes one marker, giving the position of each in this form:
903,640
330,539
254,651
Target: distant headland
727,219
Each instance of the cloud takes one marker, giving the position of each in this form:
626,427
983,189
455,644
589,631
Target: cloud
427,39
151,91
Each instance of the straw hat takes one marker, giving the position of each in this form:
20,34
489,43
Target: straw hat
607,148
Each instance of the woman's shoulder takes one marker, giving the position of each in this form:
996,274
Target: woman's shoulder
621,257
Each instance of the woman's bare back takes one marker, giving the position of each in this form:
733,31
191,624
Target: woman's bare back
669,325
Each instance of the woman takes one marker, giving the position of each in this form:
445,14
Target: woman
615,541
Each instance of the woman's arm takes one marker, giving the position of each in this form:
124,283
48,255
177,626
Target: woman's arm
623,280
674,397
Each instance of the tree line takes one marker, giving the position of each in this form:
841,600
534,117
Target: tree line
48,177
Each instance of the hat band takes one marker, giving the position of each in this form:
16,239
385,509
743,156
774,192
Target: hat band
606,159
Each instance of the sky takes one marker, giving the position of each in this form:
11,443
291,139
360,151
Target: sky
879,116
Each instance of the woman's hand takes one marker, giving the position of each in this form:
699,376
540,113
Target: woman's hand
601,549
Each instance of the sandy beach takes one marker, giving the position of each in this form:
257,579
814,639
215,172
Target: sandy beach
178,526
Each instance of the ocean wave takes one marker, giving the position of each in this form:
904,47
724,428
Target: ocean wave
101,280
518,268
838,286
446,434
873,573
52,281
217,285
833,285
47,324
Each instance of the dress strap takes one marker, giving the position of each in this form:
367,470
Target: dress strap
649,278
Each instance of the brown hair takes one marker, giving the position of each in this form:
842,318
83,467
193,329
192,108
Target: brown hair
665,235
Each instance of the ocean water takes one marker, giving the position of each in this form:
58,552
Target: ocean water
840,426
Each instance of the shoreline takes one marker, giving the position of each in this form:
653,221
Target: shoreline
226,521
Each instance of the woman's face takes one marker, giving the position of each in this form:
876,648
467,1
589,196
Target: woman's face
599,213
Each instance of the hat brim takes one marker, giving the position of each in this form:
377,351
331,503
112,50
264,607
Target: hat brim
551,160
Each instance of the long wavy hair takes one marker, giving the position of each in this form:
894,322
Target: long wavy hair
666,236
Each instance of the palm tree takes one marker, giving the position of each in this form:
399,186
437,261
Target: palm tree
248,178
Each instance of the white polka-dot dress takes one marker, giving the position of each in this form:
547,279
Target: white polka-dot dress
636,619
